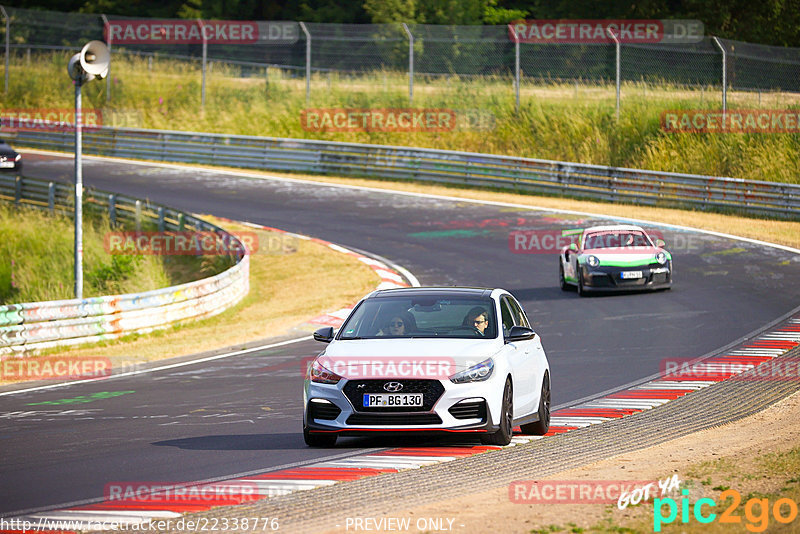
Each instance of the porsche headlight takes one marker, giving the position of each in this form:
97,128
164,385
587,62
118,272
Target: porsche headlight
476,373
593,261
661,258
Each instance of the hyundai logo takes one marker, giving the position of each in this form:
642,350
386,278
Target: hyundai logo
393,386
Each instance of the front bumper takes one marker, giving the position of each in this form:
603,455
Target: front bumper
448,408
609,278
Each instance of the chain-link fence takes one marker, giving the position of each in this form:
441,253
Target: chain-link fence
424,55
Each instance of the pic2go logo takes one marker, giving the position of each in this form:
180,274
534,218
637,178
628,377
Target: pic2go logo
756,511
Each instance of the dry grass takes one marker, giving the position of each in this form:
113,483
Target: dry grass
286,290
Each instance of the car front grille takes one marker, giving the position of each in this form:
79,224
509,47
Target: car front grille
431,391
469,410
394,419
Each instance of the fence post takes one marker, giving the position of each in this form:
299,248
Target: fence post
8,42
617,45
203,67
138,215
308,61
112,209
108,43
516,66
18,190
51,197
410,64
161,219
724,77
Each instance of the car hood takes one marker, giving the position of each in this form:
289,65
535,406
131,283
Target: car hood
443,357
622,257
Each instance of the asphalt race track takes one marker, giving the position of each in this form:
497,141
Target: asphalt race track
244,413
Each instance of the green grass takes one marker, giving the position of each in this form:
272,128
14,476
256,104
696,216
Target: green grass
36,260
556,121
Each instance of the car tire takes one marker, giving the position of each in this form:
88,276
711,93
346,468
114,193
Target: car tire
542,426
506,430
561,281
581,290
319,440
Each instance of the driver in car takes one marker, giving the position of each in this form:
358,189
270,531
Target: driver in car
478,318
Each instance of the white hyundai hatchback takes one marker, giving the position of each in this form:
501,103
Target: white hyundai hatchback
429,360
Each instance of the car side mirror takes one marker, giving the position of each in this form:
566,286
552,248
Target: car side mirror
324,334
573,247
660,243
520,333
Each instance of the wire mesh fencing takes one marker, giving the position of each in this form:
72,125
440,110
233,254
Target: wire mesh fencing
435,62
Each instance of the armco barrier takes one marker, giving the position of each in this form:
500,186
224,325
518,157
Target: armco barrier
40,325
523,174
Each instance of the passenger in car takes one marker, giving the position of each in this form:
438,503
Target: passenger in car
400,324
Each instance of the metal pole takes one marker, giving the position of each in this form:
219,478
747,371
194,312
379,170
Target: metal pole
308,61
78,196
8,42
617,44
724,77
205,53
516,66
410,63
108,42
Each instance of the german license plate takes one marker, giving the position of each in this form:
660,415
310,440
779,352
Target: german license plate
629,275
394,399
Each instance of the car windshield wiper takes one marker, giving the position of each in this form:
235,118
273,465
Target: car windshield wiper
349,338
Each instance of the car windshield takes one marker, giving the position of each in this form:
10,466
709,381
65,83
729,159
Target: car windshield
616,239
422,316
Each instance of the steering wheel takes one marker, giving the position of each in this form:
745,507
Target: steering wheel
472,329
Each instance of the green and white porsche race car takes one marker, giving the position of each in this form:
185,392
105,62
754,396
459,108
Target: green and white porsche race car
615,258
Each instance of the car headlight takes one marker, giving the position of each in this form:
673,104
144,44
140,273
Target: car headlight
476,373
320,374
18,157
661,258
593,261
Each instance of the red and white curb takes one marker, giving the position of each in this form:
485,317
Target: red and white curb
662,390
390,278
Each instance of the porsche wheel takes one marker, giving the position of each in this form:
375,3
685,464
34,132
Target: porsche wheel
562,283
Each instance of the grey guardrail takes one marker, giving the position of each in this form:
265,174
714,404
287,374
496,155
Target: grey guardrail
466,168
39,325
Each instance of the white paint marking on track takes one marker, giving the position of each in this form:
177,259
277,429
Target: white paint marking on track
160,368
577,421
674,384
